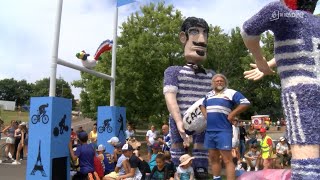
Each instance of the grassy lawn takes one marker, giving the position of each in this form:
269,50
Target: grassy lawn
7,116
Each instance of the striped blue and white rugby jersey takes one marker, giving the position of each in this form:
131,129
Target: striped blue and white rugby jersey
219,106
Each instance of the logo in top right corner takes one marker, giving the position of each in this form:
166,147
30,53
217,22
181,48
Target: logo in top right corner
277,15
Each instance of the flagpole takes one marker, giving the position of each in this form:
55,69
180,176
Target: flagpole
113,63
53,74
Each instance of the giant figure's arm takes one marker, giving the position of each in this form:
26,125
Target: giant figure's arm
254,47
173,108
266,19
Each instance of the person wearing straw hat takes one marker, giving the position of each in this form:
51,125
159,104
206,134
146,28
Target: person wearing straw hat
184,170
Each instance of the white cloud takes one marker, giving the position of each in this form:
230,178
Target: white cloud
27,30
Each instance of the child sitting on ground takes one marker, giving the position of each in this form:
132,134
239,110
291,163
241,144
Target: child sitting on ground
185,171
160,171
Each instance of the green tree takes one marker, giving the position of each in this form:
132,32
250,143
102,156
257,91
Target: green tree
63,89
147,46
13,90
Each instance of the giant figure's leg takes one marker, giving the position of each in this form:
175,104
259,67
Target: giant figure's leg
177,149
200,163
301,106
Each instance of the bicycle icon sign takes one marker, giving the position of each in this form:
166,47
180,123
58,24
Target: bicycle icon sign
106,126
41,115
62,127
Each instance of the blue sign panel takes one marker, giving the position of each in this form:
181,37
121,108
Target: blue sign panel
49,135
111,123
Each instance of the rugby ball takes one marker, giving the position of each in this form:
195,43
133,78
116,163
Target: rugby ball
193,120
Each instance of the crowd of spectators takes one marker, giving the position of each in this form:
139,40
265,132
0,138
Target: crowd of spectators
16,143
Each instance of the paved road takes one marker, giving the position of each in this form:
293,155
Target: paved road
9,171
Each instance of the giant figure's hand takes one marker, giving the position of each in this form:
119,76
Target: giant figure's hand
184,136
263,66
253,74
256,74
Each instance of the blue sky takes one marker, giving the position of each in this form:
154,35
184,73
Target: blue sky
27,29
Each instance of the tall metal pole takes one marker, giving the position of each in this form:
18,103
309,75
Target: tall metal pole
53,78
113,63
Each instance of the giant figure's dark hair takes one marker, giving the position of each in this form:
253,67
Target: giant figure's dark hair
304,5
194,22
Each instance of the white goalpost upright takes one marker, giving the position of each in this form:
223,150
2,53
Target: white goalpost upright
56,60
50,117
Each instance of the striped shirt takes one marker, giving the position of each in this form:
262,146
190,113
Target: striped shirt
297,42
219,106
188,86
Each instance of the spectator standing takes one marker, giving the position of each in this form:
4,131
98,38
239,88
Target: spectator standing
278,125
1,126
23,143
74,137
9,131
129,132
235,143
150,138
266,149
93,135
242,146
166,140
17,137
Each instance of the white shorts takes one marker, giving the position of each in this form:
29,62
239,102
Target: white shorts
235,144
10,140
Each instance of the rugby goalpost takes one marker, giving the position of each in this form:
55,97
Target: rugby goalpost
56,60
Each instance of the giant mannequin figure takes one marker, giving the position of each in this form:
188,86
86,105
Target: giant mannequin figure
297,57
184,85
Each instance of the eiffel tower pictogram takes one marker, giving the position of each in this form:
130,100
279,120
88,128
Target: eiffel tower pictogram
38,166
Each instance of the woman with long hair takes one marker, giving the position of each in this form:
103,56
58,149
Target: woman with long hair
9,132
20,139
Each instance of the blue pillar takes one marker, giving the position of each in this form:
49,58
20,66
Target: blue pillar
111,122
49,136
